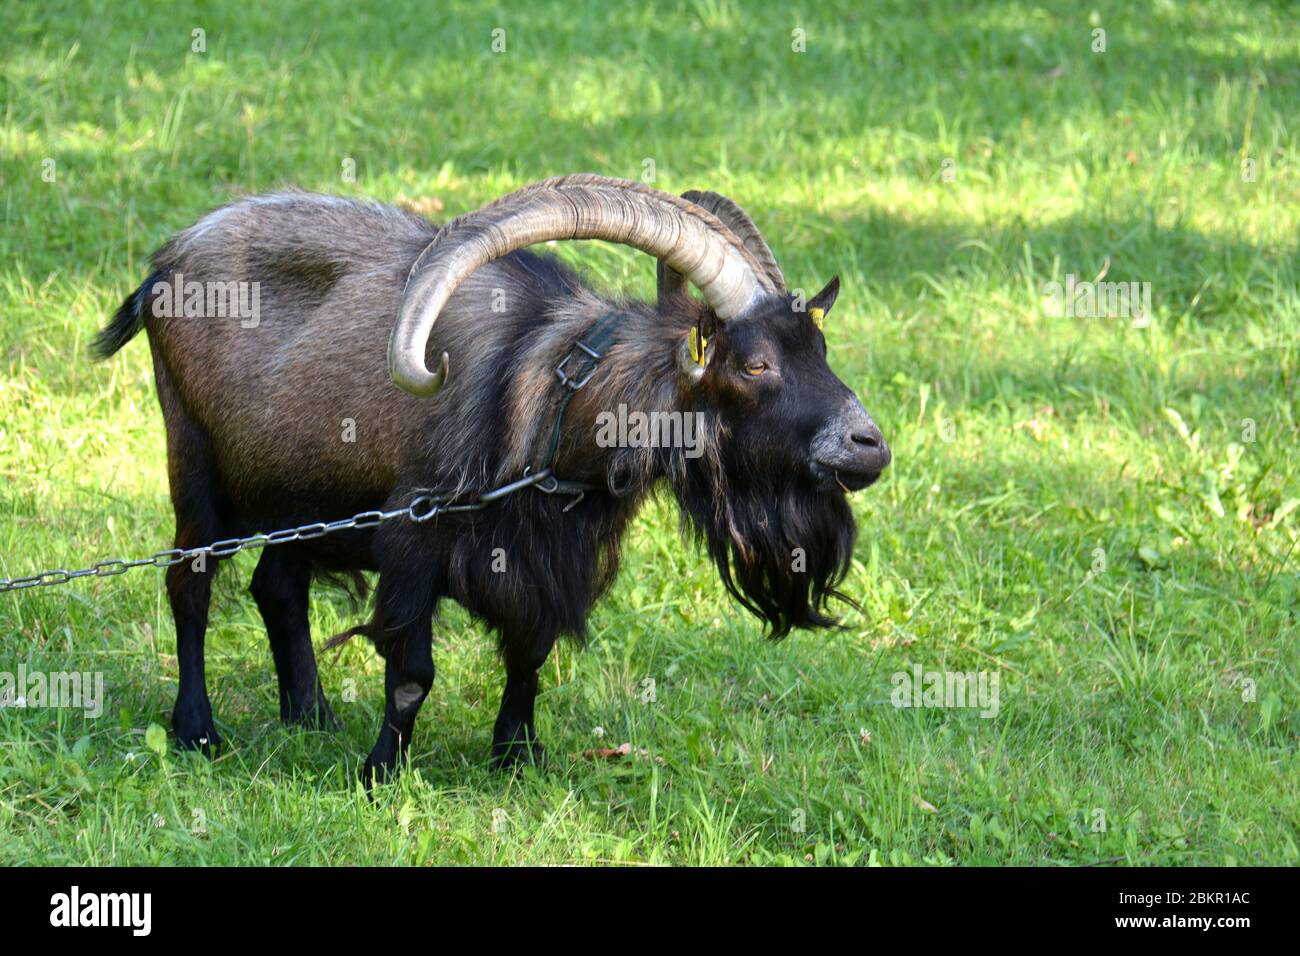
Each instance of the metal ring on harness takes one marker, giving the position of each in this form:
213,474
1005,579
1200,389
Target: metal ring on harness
414,512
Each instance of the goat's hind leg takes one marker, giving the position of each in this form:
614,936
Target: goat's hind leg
196,501
189,589
281,586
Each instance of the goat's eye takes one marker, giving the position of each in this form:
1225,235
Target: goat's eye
756,368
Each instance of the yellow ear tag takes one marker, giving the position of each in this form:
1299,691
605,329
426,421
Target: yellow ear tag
818,317
697,343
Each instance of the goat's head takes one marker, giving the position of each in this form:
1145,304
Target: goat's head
765,376
791,437
788,438
791,440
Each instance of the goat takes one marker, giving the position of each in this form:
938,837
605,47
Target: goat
290,416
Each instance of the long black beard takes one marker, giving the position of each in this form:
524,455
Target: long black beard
781,551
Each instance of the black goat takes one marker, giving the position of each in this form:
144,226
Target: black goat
289,416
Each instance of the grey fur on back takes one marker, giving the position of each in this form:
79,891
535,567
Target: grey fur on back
331,274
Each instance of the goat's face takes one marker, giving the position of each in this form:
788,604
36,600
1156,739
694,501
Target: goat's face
784,410
791,441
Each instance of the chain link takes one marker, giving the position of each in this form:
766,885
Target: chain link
421,509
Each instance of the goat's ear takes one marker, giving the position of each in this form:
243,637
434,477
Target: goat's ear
819,306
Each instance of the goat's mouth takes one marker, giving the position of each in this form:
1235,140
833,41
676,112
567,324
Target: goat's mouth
847,478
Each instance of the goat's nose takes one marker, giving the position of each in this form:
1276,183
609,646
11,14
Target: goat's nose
868,439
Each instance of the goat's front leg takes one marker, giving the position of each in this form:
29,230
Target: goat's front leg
514,738
408,677
408,671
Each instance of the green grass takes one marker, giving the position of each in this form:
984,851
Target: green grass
1157,695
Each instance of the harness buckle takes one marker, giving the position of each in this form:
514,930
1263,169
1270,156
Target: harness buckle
567,380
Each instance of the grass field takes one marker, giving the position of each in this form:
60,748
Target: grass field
1100,511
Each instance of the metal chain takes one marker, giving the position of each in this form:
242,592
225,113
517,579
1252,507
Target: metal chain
421,509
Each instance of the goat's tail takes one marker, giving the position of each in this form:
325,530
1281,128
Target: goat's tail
126,324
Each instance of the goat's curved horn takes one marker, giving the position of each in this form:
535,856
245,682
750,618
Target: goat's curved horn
690,239
738,221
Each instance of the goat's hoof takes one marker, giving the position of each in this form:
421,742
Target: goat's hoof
516,754
376,773
205,740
